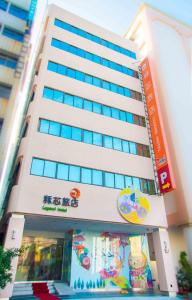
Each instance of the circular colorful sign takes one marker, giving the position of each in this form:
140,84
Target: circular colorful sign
133,205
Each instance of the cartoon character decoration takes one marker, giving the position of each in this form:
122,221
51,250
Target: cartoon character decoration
75,193
133,205
81,251
140,274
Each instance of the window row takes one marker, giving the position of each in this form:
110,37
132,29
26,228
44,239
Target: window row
51,169
81,76
94,38
93,57
92,106
94,138
13,34
8,61
14,10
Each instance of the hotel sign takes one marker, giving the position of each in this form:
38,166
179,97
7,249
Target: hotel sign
163,164
52,203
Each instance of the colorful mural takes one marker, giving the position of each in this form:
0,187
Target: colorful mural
109,260
133,205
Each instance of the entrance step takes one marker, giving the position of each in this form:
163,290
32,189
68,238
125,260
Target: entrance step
63,289
25,288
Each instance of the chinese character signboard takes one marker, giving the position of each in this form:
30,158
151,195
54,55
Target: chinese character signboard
53,203
163,164
133,205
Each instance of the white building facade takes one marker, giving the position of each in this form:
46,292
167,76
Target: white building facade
85,148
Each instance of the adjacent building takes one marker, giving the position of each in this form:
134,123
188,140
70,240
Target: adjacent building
167,43
84,156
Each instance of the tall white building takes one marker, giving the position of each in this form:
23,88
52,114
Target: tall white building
167,43
84,156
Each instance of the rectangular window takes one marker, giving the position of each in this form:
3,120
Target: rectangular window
44,126
48,93
119,181
3,5
88,105
151,187
144,185
85,175
74,173
37,167
108,141
117,144
129,117
58,96
49,169
13,34
133,149
52,66
97,139
96,108
125,145
62,69
109,179
97,177
54,128
68,99
18,12
88,79
76,134
96,81
88,137
71,73
136,183
115,113
106,111
128,181
66,131
63,171
78,102
5,91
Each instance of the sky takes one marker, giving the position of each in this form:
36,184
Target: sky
117,15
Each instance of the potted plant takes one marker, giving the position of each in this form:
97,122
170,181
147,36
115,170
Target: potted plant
184,275
6,256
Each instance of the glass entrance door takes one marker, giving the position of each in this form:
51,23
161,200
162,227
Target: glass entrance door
41,260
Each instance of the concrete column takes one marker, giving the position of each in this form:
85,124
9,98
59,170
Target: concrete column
13,239
188,239
165,267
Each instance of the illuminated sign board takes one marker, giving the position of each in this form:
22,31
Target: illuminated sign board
163,164
133,205
52,203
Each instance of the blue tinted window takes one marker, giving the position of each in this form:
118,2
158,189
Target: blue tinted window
114,88
12,34
76,134
97,108
62,69
94,38
44,126
128,181
125,145
54,128
3,5
109,179
52,66
122,115
37,166
119,181
136,183
129,117
80,76
49,169
74,173
106,111
68,99
97,82
88,105
117,144
97,139
18,12
115,113
78,102
63,171
133,149
66,131
88,79
97,177
85,175
87,137
58,96
71,73
108,141
48,93
106,85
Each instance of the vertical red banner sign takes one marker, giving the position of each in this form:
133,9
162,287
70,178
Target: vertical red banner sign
163,164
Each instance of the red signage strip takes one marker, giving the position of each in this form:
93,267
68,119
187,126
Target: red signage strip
163,164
